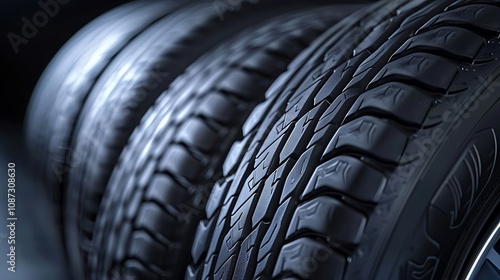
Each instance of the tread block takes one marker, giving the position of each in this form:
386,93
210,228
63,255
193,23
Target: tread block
238,222
275,229
338,53
265,63
247,255
263,268
201,237
266,162
213,250
233,188
211,106
143,247
268,201
225,272
295,180
244,85
309,259
303,129
328,217
249,188
320,137
349,176
480,17
154,219
275,89
215,199
368,135
256,116
400,101
250,153
285,47
312,79
177,160
192,273
335,113
262,134
302,102
226,253
330,116
195,129
378,35
453,41
429,71
339,78
277,132
418,10
236,152
370,66
308,34
133,269
207,268
165,191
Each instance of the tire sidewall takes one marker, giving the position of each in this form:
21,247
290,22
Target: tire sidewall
421,241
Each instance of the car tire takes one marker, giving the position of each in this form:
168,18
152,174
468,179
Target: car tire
376,160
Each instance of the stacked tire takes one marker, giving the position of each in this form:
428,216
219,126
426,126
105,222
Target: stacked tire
258,140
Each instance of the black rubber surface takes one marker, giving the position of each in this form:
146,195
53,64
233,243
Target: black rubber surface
160,185
321,177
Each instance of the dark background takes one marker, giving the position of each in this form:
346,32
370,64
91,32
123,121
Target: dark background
20,72
39,253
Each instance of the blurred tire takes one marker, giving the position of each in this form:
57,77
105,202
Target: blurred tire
66,83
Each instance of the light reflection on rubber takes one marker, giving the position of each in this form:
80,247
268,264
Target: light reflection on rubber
483,256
